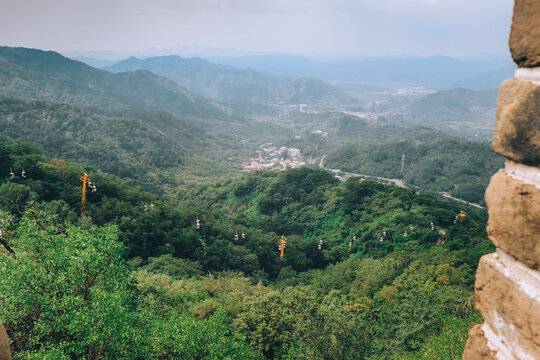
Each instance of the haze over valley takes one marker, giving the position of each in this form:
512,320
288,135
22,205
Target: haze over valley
192,105
194,181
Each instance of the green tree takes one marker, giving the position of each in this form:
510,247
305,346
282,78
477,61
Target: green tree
65,291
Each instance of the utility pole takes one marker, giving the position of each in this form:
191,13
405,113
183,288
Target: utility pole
85,180
282,243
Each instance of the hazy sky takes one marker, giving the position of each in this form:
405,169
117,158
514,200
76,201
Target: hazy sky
461,28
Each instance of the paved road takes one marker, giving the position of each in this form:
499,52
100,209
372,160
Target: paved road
321,162
447,195
398,182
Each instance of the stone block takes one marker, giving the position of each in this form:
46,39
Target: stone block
5,351
477,346
514,217
508,297
525,33
517,127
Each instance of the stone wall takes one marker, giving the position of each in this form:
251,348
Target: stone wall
5,352
507,287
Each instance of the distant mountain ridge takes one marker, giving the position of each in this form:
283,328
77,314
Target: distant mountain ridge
226,82
488,80
439,72
47,75
97,63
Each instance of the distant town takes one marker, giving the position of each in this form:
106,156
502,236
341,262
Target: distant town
271,157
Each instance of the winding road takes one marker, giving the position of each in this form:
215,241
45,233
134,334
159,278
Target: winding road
397,182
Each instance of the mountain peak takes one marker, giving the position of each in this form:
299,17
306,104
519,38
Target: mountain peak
47,75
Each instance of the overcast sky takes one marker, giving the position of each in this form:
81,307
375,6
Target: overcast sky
460,28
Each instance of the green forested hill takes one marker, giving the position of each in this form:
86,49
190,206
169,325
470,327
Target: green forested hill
47,75
310,205
130,144
205,294
317,133
227,82
370,271
455,103
341,127
458,112
303,203
462,168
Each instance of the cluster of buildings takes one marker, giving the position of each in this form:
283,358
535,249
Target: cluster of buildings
414,91
270,157
320,132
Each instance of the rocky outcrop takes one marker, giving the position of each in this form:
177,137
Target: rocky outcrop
508,296
525,33
517,128
5,352
507,288
477,347
514,224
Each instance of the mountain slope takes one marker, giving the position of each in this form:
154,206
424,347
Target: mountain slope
458,112
47,75
308,90
362,263
489,80
462,112
462,168
455,103
136,145
227,82
197,74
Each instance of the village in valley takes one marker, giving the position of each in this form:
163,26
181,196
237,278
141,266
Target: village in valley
271,157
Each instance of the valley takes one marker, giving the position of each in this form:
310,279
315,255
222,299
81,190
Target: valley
244,209
214,138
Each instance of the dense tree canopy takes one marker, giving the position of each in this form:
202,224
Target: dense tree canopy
124,280
461,168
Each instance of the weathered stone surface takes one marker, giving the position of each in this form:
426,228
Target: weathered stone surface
514,218
5,352
477,347
517,128
525,33
508,297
